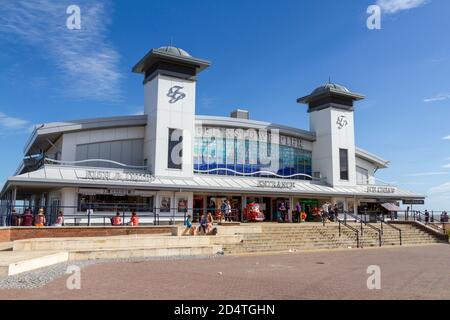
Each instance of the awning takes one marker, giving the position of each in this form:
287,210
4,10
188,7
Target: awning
85,177
391,207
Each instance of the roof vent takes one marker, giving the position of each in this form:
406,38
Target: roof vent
239,114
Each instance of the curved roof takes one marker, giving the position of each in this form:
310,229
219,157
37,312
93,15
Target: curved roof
174,55
326,87
174,50
330,89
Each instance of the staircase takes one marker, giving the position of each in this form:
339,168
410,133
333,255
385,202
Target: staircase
30,254
315,236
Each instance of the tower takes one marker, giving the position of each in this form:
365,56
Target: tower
330,107
169,102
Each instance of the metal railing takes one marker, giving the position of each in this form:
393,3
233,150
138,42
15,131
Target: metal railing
429,219
365,223
344,223
92,214
395,228
88,214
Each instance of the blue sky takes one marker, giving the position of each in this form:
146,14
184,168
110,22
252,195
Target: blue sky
265,54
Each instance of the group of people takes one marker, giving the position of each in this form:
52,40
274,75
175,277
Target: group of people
117,220
205,226
430,218
327,211
225,212
27,219
39,220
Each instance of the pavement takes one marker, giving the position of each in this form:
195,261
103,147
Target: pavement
419,272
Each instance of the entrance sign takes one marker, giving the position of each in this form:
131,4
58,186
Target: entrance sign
276,184
380,190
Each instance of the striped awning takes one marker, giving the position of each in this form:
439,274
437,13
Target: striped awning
391,207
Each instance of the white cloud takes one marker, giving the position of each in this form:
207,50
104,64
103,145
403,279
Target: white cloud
439,97
439,197
7,122
394,6
446,138
86,61
424,174
12,125
447,166
440,189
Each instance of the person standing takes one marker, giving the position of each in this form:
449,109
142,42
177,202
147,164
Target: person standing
211,207
282,212
331,212
228,211
427,216
298,210
325,211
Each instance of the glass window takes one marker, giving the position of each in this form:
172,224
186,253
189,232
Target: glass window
362,175
250,156
112,203
343,164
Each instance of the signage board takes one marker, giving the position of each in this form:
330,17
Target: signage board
413,201
380,190
106,175
276,184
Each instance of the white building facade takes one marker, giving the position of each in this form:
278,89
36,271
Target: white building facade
170,161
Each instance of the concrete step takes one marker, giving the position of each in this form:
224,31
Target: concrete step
12,263
121,253
122,242
6,246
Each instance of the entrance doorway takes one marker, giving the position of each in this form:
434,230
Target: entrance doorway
276,203
198,207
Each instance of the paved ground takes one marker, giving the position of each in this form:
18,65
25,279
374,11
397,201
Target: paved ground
406,273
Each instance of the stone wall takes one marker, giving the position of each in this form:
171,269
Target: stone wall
18,233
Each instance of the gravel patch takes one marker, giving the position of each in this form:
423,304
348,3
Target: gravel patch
40,277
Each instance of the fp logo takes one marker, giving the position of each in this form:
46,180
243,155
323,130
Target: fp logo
175,94
341,122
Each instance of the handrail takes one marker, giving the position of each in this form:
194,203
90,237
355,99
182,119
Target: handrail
368,225
394,227
351,228
428,221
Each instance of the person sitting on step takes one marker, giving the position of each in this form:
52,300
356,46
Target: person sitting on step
39,220
116,220
59,222
134,220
